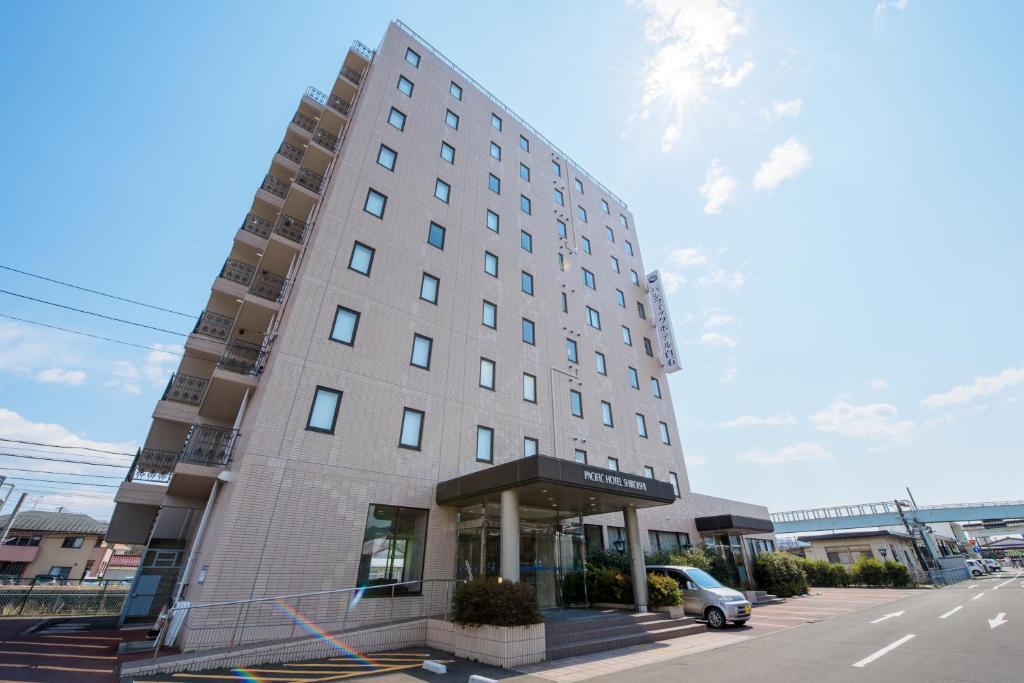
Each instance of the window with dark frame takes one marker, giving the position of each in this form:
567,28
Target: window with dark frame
346,324
397,119
484,444
323,413
375,203
361,259
429,287
411,436
422,349
487,372
387,157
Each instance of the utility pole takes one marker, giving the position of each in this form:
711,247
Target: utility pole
10,523
906,525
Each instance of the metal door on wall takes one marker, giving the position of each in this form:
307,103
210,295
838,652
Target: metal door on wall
153,586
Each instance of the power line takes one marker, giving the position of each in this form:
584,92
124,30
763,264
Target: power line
20,450
56,481
93,291
86,334
57,445
70,474
98,315
62,460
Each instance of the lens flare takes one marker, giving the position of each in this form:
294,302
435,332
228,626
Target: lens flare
316,631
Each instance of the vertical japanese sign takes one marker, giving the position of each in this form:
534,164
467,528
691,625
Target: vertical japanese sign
662,323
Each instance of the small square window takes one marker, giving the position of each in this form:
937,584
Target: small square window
396,119
412,429
575,403
581,456
528,332
648,349
529,388
525,205
524,172
663,428
556,169
579,185
493,221
586,245
649,472
442,190
572,351
489,318
641,426
422,347
487,374
634,379
456,90
495,122
447,152
588,279
606,414
495,151
452,119
613,464
412,57
361,260
484,444
593,318
602,366
323,414
375,203
620,298
634,278
405,86
490,264
531,447
524,144
526,241
614,264
559,197
493,183
581,213
346,323
386,157
655,387
629,247
429,287
435,236
562,230
526,282
627,336
604,206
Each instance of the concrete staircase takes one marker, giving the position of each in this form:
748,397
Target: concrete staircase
762,598
572,637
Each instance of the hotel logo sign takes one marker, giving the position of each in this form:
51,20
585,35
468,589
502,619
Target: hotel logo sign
662,323
614,481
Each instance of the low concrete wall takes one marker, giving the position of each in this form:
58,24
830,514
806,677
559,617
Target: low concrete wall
504,646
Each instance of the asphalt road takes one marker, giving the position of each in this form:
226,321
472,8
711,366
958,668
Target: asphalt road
973,631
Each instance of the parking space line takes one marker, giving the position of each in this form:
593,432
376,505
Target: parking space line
884,651
952,611
977,596
995,588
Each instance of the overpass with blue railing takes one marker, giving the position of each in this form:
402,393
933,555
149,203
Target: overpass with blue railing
892,513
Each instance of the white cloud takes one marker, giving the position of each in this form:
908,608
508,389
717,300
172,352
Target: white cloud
737,280
694,460
717,187
785,161
669,138
154,370
730,78
687,257
672,281
60,376
780,420
27,351
716,277
729,374
877,383
782,108
882,6
802,452
981,386
718,320
876,421
716,339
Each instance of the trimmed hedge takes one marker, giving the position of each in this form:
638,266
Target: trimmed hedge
663,591
487,602
781,574
605,584
871,572
825,574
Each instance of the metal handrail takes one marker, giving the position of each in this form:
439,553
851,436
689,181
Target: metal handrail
363,51
885,507
316,95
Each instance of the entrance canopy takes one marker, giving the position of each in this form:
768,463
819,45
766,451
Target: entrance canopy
562,486
734,524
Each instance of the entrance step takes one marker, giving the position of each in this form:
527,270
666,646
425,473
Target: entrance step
572,637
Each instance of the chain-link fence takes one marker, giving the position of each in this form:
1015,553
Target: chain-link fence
48,597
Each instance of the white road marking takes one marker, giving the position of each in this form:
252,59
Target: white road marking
884,651
1006,582
972,586
998,621
977,596
890,615
952,611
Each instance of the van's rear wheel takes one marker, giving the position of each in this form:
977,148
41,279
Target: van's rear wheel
715,617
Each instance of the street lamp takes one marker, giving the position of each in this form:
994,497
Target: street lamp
620,545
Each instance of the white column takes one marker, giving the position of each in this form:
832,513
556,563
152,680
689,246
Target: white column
510,535
636,558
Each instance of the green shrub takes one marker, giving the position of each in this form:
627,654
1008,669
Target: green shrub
605,584
825,574
897,575
488,602
780,573
611,558
663,591
868,571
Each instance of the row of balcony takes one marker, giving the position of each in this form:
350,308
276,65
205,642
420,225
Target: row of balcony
206,445
335,102
263,284
286,226
310,180
321,136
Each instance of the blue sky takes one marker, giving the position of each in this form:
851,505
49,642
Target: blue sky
833,190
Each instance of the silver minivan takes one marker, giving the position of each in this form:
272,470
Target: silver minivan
705,597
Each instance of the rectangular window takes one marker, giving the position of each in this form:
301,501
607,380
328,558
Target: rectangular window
526,283
648,349
496,151
641,311
629,247
649,472
579,185
528,332
452,119
456,90
393,549
565,303
620,298
581,213
74,541
442,190
622,221
386,157
593,318
604,206
422,347
562,230
375,203
571,351
556,169
412,429
613,464
529,387
405,86
655,387
524,144
323,414
429,287
487,373
526,241
575,403
396,119
581,456
490,264
627,336
586,244
663,428
447,152
559,197
361,259
633,277
674,480
493,183
412,57
493,221
668,541
606,414
525,205
490,315
641,426
609,233
615,264
524,172
484,444
531,447
346,322
602,367
634,380
588,279
435,236
495,121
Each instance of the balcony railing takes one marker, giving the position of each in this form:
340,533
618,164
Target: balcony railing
291,152
275,186
363,51
185,389
303,121
242,357
208,445
269,286
239,272
340,105
310,180
258,226
351,74
316,95
325,139
214,325
153,465
291,228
